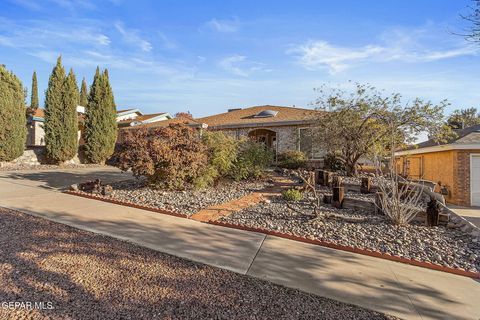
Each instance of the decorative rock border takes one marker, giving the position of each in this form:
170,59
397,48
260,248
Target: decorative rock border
125,203
376,254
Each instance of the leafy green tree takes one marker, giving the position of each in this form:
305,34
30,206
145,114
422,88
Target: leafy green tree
13,130
83,94
222,152
464,118
100,120
61,126
366,122
34,95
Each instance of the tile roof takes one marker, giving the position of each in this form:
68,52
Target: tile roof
164,123
246,117
142,117
472,132
124,110
39,113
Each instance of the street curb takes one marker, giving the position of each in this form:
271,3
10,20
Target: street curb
376,254
125,203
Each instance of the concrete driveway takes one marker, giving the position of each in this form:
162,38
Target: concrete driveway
472,214
60,179
405,291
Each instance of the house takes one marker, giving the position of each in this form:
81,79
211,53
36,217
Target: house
35,132
280,128
454,165
125,118
134,117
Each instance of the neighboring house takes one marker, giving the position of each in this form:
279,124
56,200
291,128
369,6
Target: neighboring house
454,165
35,132
180,120
280,128
134,117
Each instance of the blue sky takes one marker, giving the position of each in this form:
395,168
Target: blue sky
208,56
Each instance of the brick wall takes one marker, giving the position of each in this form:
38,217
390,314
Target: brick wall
462,174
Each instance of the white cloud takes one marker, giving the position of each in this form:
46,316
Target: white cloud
411,46
321,54
42,34
224,26
239,65
231,64
132,37
167,43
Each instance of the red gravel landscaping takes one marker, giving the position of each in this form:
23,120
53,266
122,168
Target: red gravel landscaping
83,275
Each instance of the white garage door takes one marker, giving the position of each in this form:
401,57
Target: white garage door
475,178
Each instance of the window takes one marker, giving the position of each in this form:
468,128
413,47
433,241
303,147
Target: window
308,144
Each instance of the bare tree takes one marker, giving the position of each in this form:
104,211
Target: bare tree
474,19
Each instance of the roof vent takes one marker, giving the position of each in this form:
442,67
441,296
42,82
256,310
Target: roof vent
234,109
266,114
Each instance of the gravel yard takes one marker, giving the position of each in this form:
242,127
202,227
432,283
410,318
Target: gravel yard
185,202
82,275
446,246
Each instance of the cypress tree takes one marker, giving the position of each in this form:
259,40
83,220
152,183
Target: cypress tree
100,120
83,94
60,110
34,97
13,126
70,119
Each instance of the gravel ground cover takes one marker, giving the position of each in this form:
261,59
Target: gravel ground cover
82,275
448,246
185,202
23,167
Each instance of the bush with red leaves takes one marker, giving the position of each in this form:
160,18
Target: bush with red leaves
170,157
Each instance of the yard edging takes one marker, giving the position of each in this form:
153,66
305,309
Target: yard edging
125,203
371,253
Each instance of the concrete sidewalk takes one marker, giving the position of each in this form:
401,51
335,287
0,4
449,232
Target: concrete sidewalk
402,290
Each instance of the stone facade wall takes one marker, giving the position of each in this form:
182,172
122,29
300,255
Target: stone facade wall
35,134
287,136
34,156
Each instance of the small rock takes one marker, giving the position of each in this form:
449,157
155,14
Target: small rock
74,187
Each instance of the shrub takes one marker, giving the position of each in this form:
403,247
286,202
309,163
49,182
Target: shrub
333,163
170,157
222,152
292,160
253,157
292,195
13,129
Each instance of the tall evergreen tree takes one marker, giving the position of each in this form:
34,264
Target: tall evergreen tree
100,120
13,129
60,109
83,94
70,102
34,97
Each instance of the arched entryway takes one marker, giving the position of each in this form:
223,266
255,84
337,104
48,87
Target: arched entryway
268,137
